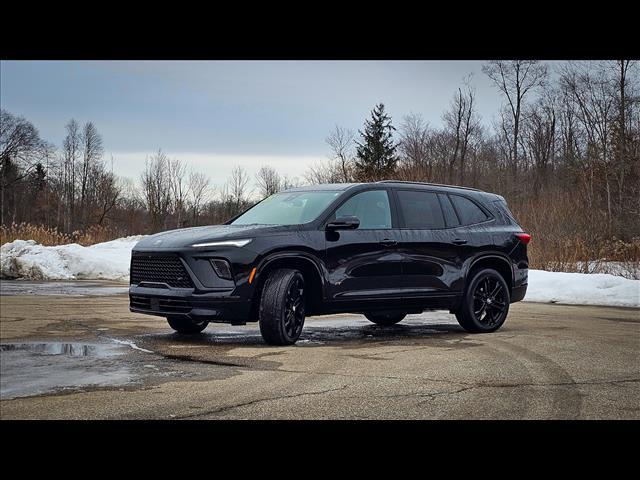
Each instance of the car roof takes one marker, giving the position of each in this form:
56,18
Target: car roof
391,183
323,186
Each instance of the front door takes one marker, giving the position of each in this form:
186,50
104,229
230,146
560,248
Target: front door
365,262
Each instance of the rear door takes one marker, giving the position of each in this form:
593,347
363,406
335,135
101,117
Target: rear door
431,263
365,263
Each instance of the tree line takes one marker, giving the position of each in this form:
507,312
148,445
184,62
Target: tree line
74,188
564,151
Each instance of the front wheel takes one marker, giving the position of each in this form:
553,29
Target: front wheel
385,319
486,302
282,307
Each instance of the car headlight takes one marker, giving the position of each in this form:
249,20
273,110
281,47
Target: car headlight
224,243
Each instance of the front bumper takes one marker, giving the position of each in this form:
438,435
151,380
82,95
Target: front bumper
218,306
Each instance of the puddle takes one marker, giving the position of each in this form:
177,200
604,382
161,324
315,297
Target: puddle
79,288
35,368
68,349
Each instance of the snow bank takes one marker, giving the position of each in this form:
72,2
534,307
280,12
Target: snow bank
582,289
25,259
110,260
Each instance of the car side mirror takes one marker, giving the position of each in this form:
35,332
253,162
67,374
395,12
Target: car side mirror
348,222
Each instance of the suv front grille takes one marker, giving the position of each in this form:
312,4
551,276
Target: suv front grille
159,269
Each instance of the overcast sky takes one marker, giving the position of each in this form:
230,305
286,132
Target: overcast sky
218,114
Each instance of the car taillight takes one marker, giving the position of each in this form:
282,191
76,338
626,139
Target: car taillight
524,237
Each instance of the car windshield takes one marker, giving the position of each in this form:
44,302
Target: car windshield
292,208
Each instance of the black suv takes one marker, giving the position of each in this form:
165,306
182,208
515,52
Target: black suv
382,249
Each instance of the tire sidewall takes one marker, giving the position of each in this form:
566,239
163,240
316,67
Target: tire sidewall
294,277
273,306
468,299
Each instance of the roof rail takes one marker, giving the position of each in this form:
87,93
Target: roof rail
428,183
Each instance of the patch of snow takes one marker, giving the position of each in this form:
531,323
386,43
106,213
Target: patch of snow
582,289
25,259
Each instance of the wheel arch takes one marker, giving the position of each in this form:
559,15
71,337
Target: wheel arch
314,280
497,262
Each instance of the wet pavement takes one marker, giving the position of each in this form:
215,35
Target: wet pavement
67,356
73,288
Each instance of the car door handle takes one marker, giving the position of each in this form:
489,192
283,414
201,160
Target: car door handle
458,241
387,242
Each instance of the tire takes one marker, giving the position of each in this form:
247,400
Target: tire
186,326
282,307
485,305
385,319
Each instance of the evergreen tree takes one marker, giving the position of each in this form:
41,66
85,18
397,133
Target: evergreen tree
376,155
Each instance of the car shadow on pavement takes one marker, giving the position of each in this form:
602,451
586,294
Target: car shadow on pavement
445,335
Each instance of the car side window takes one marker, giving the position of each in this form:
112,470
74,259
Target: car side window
371,207
468,211
420,209
449,213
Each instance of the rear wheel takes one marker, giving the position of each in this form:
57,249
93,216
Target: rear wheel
186,326
385,319
486,302
282,307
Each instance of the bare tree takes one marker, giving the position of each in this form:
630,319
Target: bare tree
177,173
71,147
288,182
237,188
107,194
156,189
324,172
268,181
341,142
91,155
515,79
21,150
199,186
462,123
413,147
540,138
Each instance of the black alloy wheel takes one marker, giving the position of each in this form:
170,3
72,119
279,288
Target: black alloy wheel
485,304
489,302
282,307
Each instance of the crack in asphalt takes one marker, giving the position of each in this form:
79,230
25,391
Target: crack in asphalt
432,395
358,375
259,400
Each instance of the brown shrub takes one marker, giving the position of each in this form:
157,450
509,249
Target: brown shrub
51,236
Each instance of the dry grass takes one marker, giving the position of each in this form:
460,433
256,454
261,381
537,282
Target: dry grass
568,237
51,236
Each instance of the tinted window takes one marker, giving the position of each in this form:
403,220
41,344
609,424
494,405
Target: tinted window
290,208
420,209
449,213
505,213
372,209
468,211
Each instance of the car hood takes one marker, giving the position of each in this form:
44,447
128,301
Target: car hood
185,237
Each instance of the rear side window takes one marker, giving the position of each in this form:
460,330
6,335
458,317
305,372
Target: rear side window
450,216
468,211
504,211
420,209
